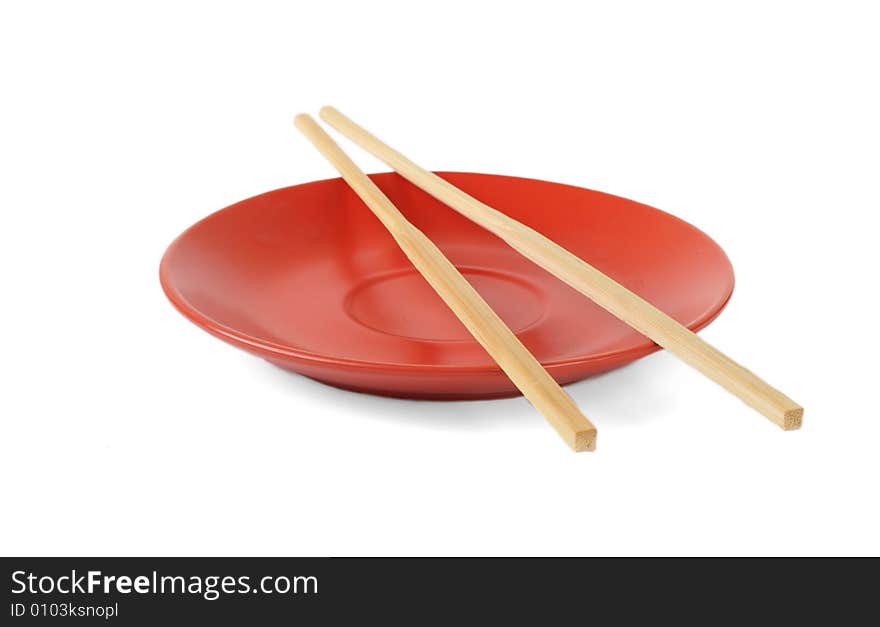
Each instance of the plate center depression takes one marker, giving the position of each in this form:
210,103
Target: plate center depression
403,304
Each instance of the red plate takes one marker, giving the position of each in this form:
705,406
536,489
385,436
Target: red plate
309,279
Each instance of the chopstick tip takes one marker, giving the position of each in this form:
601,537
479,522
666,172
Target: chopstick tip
326,111
301,118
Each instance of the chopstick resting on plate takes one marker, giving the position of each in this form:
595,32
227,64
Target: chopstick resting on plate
603,290
483,323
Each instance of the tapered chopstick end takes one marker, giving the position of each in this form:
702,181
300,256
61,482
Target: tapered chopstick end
301,119
327,111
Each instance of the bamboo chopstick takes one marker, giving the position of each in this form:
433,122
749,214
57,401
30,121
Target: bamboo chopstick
629,307
483,323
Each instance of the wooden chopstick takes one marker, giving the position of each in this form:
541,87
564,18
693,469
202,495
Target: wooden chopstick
629,307
483,323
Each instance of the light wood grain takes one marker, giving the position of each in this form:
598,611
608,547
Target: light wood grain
484,324
626,305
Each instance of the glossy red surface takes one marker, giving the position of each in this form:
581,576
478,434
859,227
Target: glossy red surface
309,279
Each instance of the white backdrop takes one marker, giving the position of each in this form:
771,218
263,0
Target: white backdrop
127,430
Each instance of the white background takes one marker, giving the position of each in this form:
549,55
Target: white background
127,430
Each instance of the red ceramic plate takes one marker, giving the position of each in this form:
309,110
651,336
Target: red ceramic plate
309,279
